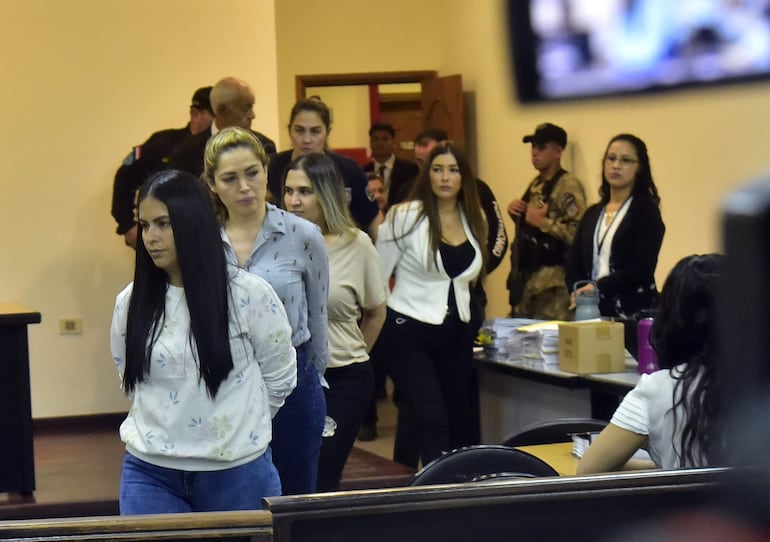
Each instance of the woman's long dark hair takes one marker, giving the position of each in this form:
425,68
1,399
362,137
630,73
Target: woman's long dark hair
202,262
685,331
467,198
644,185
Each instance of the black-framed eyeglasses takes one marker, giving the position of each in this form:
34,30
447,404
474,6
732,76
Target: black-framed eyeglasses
624,160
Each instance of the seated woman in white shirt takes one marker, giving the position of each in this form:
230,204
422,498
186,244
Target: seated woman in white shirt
672,413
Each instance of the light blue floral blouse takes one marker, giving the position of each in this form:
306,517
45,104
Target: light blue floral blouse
290,254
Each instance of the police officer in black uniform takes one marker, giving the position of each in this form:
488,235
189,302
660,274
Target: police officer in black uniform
151,157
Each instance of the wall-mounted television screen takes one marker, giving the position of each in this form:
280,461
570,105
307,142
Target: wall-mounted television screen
565,49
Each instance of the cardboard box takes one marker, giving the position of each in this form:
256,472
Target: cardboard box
591,347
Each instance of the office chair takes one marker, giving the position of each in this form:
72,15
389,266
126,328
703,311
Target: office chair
476,463
551,431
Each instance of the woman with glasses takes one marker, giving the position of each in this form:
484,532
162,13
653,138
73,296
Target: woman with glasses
618,240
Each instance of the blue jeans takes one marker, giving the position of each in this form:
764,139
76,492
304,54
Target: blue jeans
149,489
297,431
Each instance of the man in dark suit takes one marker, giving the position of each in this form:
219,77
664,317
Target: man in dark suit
232,101
393,171
151,157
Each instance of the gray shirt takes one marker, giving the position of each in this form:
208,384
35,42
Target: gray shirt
290,254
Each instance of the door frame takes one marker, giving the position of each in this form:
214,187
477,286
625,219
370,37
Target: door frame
301,82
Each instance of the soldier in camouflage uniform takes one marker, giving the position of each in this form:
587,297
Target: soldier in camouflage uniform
546,219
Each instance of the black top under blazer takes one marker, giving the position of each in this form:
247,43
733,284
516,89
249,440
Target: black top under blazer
630,286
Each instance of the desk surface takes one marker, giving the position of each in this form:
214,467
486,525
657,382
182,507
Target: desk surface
550,372
558,455
533,366
629,378
14,314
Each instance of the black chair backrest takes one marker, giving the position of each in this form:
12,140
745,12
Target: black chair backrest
473,462
552,431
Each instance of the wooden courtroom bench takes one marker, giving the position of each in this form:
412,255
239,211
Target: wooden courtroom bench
565,508
581,508
243,526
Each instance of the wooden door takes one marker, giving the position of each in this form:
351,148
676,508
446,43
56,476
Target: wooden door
404,112
442,106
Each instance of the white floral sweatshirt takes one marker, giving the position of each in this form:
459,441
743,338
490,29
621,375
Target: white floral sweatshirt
172,421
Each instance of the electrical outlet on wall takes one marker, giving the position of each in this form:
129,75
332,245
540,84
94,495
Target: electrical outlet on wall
70,326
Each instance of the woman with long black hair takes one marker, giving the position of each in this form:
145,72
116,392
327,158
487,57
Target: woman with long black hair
618,239
204,353
673,412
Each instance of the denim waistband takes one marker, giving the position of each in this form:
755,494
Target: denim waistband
303,356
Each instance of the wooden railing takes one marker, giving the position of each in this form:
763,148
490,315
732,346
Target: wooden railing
582,508
570,508
251,526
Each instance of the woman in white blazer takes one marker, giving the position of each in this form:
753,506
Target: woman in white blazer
433,245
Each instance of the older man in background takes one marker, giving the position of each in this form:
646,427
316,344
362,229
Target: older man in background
233,103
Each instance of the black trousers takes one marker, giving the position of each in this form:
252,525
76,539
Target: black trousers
431,367
378,368
347,398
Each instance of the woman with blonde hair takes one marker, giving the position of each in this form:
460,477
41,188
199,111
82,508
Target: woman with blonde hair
314,190
290,254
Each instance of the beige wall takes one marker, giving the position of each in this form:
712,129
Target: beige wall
349,36
86,79
83,81
349,108
702,143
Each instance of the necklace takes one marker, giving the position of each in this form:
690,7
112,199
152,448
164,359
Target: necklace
609,220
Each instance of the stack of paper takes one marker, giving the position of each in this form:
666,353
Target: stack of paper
549,345
522,338
505,341
581,442
543,341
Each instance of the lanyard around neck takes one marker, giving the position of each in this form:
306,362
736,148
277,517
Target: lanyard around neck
600,242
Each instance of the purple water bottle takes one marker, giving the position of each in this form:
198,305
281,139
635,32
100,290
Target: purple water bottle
648,361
